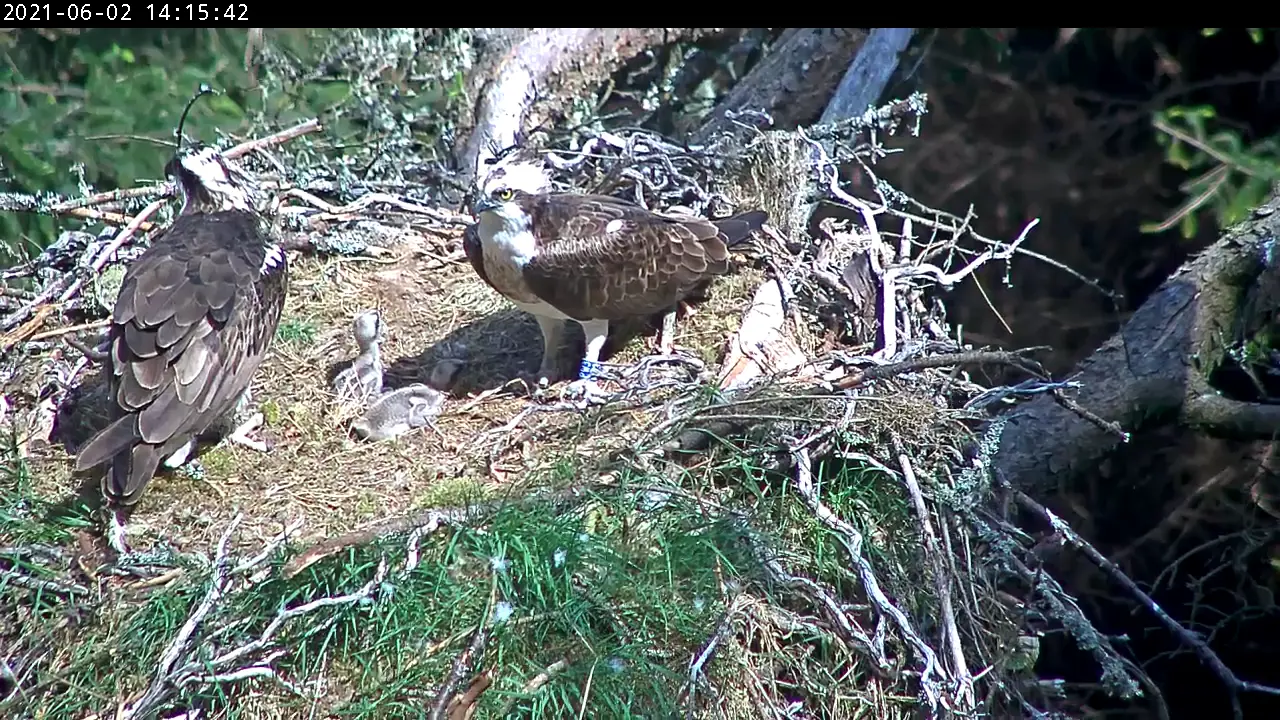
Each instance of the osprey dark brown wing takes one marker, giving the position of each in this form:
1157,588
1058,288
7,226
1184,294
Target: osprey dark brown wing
194,317
603,258
474,251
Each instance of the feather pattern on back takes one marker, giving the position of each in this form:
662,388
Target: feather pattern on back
604,258
194,317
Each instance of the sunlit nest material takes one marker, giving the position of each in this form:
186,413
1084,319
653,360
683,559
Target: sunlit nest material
794,514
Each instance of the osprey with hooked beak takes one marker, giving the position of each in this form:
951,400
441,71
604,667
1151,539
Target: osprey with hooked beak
193,319
590,258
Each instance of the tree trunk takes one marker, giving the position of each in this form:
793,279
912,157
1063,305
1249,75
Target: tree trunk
794,82
1156,369
527,76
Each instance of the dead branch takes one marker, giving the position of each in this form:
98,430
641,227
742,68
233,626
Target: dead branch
996,357
1157,366
1197,644
83,207
305,127
64,287
426,522
529,76
121,238
704,655
461,666
868,74
1119,676
197,655
932,674
793,83
962,678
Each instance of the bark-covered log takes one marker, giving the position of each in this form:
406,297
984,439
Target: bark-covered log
794,82
865,79
525,76
1156,369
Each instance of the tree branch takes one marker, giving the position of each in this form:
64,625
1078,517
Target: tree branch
528,76
1156,369
868,74
794,81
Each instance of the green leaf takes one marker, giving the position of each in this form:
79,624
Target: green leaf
1188,225
1179,155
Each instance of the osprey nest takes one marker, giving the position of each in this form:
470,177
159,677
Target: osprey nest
776,509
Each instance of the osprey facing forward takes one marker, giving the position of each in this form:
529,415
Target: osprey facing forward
193,319
590,258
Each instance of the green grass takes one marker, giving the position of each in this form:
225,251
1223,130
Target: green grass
297,331
25,518
627,601
622,590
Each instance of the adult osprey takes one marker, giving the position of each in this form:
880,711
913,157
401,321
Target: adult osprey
194,316
590,258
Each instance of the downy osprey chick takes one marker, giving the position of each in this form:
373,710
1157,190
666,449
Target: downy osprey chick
399,411
361,382
590,258
194,317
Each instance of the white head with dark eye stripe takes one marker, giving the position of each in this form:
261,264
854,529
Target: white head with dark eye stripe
502,188
209,182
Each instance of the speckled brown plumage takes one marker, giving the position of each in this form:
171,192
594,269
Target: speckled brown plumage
604,258
194,317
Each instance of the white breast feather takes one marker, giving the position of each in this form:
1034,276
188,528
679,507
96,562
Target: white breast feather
506,245
519,246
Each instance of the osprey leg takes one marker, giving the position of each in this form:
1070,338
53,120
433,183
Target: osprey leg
180,456
116,539
595,332
551,328
667,334
240,432
240,435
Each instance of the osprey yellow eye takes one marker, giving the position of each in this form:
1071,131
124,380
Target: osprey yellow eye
505,194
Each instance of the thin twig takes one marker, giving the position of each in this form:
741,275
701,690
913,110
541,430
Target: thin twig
177,647
56,332
1197,645
965,700
932,672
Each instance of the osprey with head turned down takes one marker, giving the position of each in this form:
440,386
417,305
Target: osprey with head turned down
590,258
194,317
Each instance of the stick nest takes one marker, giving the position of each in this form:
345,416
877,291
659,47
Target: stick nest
789,513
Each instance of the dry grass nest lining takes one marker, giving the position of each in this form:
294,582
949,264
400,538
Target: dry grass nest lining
432,311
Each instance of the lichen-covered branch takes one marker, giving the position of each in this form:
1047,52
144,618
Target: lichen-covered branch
528,76
868,74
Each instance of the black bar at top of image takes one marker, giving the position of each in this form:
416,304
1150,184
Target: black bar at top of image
126,13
